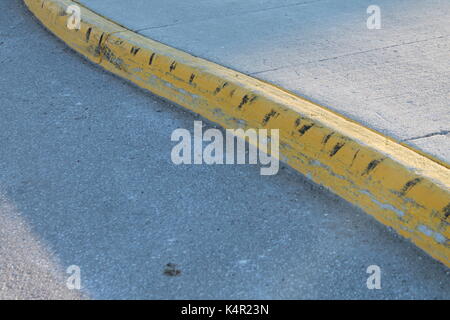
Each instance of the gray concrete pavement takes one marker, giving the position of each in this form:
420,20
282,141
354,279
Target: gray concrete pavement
395,80
86,179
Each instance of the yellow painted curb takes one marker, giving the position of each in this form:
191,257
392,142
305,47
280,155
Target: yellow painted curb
403,189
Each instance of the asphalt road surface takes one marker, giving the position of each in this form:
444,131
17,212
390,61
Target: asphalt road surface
86,179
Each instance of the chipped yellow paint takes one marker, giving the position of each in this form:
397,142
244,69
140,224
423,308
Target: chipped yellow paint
403,189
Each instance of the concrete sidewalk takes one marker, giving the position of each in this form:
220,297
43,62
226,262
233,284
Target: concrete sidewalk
395,80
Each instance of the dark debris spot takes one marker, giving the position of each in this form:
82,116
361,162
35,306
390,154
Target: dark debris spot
152,57
134,50
219,88
354,157
173,66
409,185
244,101
371,166
171,270
88,34
305,128
327,137
98,49
447,211
268,116
191,79
336,148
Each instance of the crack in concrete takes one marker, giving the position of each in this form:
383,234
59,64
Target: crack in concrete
232,15
438,133
351,54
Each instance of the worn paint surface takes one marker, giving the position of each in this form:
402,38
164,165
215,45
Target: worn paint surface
398,186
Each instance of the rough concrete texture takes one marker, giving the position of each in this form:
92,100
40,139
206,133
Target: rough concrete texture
86,179
395,80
